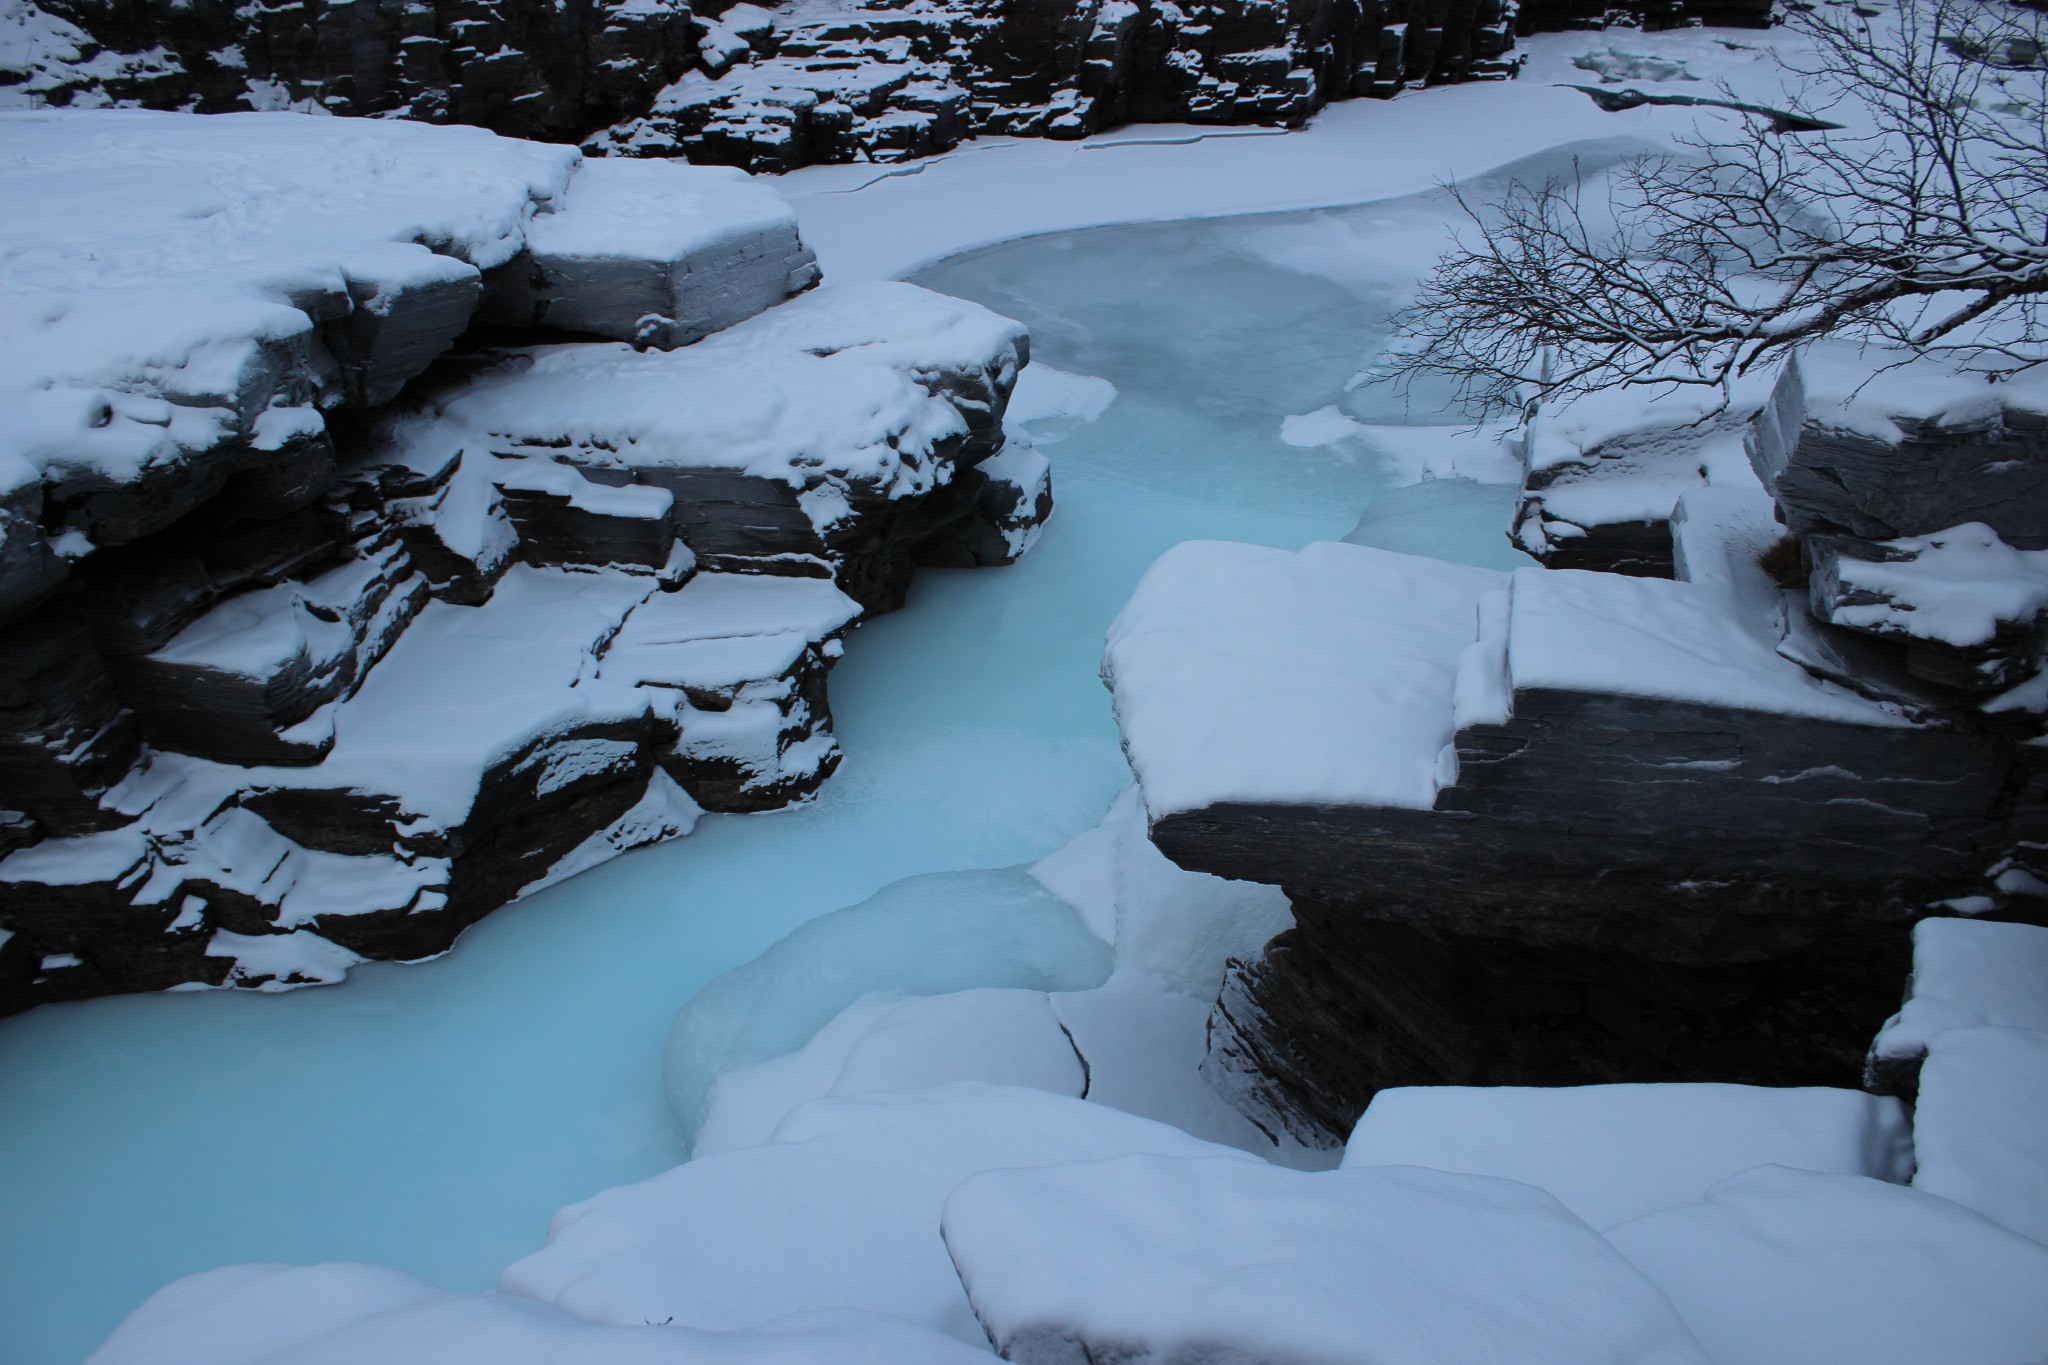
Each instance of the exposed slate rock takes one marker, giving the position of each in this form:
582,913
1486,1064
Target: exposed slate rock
1895,474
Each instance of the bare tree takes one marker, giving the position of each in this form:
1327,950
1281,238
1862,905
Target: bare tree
1919,221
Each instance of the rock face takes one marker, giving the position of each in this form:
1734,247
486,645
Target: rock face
329,635
1603,831
774,88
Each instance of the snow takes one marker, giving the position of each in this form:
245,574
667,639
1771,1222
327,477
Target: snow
828,392
1977,1128
1326,426
1413,520
1574,631
1049,398
891,1042
1161,918
1968,973
660,211
1615,1152
1785,1267
1247,674
1958,586
335,1313
969,929
839,1210
1147,1259
178,267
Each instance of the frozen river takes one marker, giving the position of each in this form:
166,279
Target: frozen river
433,1117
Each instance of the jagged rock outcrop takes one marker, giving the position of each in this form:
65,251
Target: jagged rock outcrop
342,621
773,88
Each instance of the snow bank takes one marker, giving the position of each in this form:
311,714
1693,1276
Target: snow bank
839,1210
1146,1259
1966,973
927,935
1614,1152
1247,674
345,1314
1978,1130
1784,1267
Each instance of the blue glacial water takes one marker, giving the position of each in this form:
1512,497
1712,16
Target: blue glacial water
434,1116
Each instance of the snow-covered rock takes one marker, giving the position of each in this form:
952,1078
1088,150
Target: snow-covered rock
238,676
1615,1152
840,1209
1966,973
1154,1259
1472,781
1977,1131
343,1313
1785,1267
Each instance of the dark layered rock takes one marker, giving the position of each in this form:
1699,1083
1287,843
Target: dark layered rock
1616,890
372,619
522,67
1849,465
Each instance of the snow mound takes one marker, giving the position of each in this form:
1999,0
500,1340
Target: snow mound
883,1043
1784,1267
1965,973
1977,1125
839,1210
927,935
1615,1152
346,1314
1152,1259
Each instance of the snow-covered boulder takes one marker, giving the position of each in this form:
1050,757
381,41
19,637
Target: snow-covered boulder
1615,1152
1155,1259
839,1210
1966,973
1607,807
1785,1267
655,253
347,1314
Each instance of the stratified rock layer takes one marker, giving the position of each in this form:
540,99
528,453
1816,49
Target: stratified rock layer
329,634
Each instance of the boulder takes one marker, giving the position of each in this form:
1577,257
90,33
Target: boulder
1544,827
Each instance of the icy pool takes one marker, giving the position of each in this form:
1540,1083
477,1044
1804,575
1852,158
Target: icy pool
433,1117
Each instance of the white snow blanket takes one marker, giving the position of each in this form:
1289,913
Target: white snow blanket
839,1210
1980,1124
347,1314
1151,1259
1784,1267
1614,1152
1247,674
1969,972
1340,675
